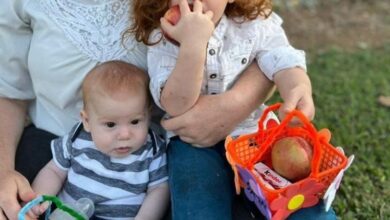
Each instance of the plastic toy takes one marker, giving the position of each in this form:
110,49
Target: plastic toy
82,210
327,166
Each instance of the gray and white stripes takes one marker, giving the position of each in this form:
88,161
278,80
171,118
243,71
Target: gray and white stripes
116,185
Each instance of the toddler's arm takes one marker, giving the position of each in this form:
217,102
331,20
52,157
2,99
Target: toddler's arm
286,66
182,89
222,112
155,203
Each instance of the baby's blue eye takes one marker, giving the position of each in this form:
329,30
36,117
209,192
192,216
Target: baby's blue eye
110,124
134,122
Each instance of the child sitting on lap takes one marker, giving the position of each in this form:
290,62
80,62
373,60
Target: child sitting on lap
112,157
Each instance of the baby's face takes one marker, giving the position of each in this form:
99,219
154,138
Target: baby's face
118,126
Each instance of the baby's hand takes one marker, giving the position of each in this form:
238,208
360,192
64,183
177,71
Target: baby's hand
193,27
38,210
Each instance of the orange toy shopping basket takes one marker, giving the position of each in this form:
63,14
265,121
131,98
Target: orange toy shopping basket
277,203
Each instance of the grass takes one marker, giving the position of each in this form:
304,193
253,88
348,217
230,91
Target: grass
346,87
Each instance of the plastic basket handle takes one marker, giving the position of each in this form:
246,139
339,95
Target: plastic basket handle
265,113
228,140
295,113
306,122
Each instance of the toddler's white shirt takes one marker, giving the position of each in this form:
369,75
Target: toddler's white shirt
231,49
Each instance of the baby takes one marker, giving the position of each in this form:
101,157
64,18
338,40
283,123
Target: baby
112,156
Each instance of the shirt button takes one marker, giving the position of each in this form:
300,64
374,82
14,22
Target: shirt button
213,76
244,60
211,52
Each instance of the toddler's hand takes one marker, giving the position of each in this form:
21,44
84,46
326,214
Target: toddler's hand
295,89
300,100
193,27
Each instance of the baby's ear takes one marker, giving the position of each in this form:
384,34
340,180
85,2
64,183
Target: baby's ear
84,119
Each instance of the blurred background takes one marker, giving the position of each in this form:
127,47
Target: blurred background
348,51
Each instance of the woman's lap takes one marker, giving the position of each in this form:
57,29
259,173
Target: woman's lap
195,195
33,151
199,182
201,185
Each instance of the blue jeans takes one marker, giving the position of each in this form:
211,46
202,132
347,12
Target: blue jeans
201,184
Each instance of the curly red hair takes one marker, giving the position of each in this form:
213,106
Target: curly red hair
147,14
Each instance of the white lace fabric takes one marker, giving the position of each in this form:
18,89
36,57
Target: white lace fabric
95,27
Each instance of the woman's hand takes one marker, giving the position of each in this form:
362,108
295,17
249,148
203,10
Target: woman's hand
214,117
208,122
13,186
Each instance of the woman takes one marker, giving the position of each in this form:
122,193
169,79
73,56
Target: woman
46,49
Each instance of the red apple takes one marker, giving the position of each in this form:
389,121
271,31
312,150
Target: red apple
173,16
291,158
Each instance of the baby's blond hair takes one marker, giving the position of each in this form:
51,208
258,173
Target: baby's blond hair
115,79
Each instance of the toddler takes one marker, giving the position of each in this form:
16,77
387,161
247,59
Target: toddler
216,42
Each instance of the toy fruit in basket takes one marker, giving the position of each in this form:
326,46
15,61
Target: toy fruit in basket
291,157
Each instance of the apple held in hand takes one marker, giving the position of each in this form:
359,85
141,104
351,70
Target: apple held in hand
173,14
291,158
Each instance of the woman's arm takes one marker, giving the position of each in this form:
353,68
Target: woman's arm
12,184
15,86
12,117
213,117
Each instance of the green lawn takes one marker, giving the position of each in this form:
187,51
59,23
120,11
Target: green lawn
346,87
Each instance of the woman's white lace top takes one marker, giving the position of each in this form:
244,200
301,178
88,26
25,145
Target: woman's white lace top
94,28
48,46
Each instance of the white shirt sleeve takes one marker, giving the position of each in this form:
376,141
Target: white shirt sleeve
276,53
15,40
161,62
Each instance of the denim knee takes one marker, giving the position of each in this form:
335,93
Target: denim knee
200,182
